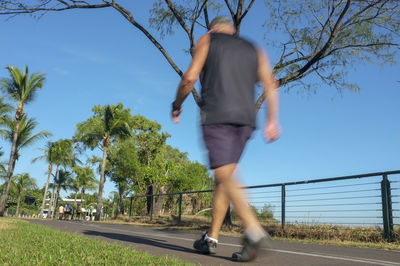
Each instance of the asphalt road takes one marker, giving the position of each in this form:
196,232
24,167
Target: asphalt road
179,244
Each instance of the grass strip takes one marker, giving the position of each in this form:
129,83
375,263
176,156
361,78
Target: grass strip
22,243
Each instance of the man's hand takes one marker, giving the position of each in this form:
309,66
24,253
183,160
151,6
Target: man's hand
176,112
175,115
272,131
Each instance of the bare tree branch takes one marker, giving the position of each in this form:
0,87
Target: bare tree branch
128,15
236,17
182,23
247,10
362,46
12,11
302,72
205,11
323,50
239,10
196,14
357,14
230,9
326,24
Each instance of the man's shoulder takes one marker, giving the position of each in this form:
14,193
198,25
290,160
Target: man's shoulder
233,39
247,42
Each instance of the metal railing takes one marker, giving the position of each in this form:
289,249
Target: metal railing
368,200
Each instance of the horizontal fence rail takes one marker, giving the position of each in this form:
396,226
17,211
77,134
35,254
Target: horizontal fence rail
365,201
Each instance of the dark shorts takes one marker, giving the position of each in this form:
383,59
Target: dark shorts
225,142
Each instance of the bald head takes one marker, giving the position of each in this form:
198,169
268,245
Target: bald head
221,25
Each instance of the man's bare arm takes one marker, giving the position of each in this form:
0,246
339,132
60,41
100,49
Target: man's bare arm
271,94
192,74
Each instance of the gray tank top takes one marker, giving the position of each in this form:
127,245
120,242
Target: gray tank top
227,79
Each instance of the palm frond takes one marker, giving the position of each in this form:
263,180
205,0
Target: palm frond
20,86
5,108
42,157
38,136
25,137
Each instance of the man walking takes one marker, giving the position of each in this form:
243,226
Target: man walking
229,67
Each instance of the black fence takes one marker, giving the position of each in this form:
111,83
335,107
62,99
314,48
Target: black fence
366,200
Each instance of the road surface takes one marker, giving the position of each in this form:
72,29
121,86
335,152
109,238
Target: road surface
159,241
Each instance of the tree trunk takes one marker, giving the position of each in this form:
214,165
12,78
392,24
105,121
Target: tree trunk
49,215
120,202
82,196
150,198
18,202
11,165
57,198
159,203
101,185
45,191
113,208
53,192
76,195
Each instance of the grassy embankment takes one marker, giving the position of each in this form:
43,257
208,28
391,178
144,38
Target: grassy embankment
22,243
370,237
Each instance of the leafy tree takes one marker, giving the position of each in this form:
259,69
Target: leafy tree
91,199
37,194
123,167
185,175
23,138
148,138
108,123
22,88
22,183
150,145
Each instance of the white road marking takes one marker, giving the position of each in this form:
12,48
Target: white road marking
352,259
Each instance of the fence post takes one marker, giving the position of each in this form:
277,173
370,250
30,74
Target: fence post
180,208
130,208
387,209
283,200
151,207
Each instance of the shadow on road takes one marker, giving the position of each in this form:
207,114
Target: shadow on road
146,241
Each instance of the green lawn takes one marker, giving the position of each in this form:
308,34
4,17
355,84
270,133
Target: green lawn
22,243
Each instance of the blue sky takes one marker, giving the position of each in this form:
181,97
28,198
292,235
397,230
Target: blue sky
96,57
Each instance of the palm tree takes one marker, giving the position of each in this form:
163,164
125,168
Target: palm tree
63,181
85,179
62,155
23,182
75,186
48,156
4,110
24,138
109,122
21,88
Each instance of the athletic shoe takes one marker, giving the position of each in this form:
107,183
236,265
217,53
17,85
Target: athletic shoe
250,249
205,246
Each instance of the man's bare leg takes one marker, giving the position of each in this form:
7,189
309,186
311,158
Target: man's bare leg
228,190
220,206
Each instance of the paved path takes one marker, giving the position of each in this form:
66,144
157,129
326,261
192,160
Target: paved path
179,244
